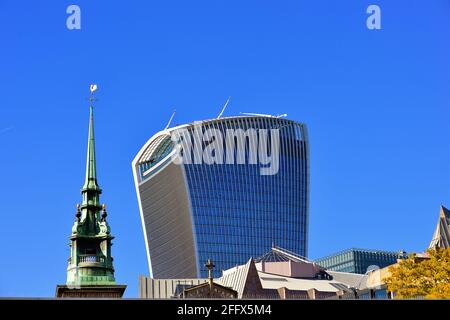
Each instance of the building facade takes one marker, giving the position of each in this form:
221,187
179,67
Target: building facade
277,274
209,289
225,211
358,260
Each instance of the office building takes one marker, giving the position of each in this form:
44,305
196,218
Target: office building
359,260
254,193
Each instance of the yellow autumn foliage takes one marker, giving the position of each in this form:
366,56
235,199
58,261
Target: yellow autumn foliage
427,278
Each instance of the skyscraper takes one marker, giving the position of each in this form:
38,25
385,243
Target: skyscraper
90,271
228,206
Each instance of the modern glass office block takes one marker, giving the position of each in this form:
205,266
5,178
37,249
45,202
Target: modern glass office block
226,212
359,260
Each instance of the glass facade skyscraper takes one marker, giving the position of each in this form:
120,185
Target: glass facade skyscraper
227,212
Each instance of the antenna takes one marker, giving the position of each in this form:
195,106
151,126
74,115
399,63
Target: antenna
170,120
224,107
256,114
264,115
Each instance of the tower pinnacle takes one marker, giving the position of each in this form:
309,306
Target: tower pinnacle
90,269
91,170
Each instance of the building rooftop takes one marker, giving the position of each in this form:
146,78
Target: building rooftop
354,280
441,236
357,250
279,255
272,281
241,276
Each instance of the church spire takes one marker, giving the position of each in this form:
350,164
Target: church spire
90,261
90,207
91,170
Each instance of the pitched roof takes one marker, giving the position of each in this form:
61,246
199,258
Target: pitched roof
441,236
246,277
237,277
354,280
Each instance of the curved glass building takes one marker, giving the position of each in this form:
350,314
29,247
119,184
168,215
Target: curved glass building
228,210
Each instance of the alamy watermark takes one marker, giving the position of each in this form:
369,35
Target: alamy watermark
202,145
73,21
373,22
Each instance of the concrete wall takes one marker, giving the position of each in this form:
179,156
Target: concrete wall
168,225
163,288
289,269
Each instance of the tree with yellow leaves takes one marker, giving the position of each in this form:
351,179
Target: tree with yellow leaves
425,277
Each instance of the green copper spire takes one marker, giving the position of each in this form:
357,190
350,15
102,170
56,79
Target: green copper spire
91,206
91,170
90,262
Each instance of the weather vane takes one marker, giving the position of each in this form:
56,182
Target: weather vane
93,88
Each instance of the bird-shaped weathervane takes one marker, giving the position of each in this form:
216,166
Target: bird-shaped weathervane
93,88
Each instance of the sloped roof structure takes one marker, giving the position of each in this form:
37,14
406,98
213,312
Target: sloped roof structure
280,255
441,236
250,282
354,280
241,277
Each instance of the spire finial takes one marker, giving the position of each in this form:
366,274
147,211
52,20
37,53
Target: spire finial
93,88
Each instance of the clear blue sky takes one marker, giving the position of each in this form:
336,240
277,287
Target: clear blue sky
377,105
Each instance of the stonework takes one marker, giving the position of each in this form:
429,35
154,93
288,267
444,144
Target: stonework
209,291
109,292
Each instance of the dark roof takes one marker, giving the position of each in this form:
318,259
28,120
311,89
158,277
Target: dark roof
206,284
272,257
279,255
446,212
